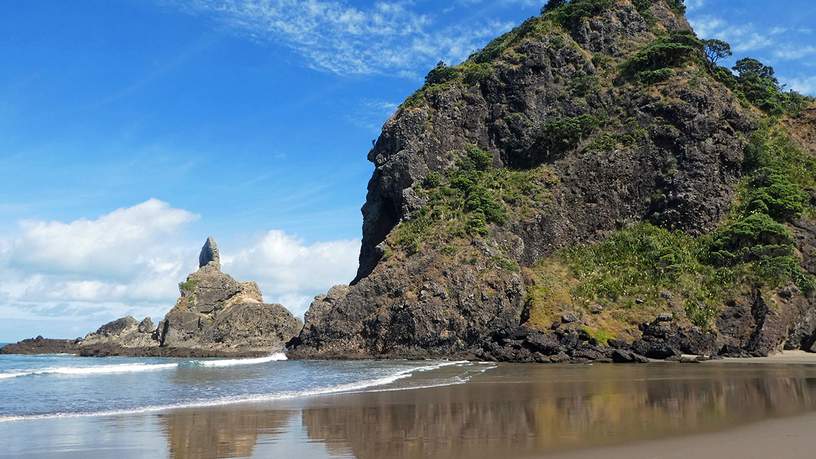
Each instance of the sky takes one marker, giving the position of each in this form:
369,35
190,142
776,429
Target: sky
132,130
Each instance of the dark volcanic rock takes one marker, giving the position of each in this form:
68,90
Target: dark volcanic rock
40,345
681,173
663,340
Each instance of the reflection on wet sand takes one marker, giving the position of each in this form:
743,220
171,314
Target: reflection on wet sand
220,432
535,410
512,411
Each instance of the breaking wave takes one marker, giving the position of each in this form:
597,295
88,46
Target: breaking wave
97,370
236,362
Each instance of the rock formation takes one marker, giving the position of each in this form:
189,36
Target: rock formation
214,316
40,345
598,121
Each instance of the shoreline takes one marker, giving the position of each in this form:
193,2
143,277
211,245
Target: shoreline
510,410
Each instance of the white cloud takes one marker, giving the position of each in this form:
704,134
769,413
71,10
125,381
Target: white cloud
802,85
126,261
794,52
742,37
291,271
333,36
130,261
101,245
693,5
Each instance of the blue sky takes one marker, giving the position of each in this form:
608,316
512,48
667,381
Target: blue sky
131,130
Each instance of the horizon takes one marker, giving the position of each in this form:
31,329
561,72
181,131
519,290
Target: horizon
123,148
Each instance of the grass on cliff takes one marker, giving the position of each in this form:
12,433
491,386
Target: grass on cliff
642,271
467,199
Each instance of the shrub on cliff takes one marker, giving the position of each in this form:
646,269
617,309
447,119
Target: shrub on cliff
673,50
758,83
751,238
771,192
570,14
564,134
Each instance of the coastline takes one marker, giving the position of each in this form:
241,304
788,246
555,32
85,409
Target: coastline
507,410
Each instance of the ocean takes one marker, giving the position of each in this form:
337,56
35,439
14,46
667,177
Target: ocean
49,386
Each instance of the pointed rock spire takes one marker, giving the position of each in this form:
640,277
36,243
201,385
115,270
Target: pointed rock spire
209,255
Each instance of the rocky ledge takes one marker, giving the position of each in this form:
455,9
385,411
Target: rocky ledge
40,345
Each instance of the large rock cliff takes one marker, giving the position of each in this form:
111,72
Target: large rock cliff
599,122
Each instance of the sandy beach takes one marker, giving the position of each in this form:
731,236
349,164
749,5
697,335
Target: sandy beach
720,409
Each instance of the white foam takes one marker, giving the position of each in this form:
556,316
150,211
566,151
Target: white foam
236,362
340,388
96,370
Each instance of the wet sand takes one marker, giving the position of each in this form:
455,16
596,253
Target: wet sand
720,409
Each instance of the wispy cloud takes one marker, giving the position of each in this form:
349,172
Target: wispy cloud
743,37
333,36
803,85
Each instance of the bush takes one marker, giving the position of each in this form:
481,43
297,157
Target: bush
751,238
758,83
673,50
468,198
771,192
655,76
476,73
560,136
571,14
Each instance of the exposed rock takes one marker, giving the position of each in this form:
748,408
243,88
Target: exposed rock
624,356
210,255
681,173
663,340
40,345
146,326
214,316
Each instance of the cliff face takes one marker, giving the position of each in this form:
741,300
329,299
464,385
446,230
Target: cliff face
597,117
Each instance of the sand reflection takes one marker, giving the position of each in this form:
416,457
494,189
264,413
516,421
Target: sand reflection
512,411
534,410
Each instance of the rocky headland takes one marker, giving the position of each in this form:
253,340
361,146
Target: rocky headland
590,186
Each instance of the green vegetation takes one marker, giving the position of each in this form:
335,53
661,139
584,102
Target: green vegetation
757,84
716,50
469,198
188,286
629,272
670,51
749,238
564,134
770,191
570,13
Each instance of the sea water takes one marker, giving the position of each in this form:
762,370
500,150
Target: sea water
45,386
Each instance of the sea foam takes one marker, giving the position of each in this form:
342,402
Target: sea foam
237,362
96,370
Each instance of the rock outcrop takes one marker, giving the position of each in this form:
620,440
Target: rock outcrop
40,345
575,147
214,316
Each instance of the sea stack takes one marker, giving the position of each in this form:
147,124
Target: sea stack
215,315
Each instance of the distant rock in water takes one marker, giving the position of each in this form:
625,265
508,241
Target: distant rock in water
214,316
40,345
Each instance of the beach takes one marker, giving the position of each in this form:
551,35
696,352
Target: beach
661,410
